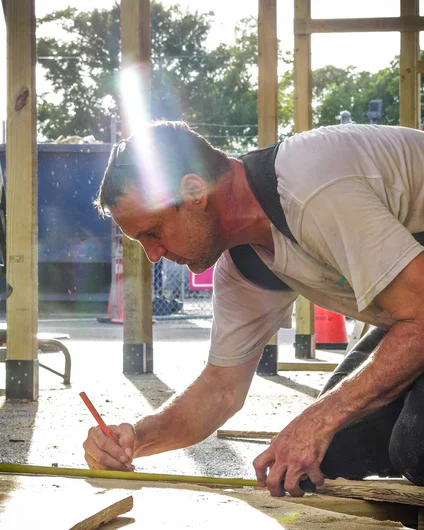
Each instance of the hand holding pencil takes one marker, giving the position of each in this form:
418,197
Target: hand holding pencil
113,452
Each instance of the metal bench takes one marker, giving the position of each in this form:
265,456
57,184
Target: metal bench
47,343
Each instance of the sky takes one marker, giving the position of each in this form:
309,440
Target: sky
367,51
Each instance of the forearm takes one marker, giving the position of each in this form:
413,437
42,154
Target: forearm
185,420
398,361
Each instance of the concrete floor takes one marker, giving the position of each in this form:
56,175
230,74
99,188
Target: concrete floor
51,431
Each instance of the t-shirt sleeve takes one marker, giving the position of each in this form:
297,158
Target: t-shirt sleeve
245,316
348,226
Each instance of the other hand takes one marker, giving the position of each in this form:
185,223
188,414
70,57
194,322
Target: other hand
103,453
295,454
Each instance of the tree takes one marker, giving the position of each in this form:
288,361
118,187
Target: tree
81,68
188,80
338,89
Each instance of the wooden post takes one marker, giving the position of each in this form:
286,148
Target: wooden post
21,195
268,73
305,328
409,90
268,121
138,337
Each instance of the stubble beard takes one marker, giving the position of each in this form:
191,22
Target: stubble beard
211,251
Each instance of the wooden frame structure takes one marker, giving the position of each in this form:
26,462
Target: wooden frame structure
22,307
21,193
409,24
22,224
138,336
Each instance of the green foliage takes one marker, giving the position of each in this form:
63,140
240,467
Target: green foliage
338,89
213,90
188,81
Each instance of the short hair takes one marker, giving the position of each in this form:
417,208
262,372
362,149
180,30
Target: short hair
179,151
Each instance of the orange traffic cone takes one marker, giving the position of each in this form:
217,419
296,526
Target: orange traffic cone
330,330
115,306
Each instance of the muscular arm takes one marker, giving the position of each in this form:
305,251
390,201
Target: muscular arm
216,395
399,360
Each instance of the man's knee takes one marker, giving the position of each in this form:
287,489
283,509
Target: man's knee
406,447
355,357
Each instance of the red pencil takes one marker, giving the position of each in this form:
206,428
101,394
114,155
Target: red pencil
96,415
101,423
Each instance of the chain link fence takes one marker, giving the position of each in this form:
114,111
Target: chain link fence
177,295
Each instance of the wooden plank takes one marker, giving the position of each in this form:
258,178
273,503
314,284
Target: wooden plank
302,73
397,491
106,514
267,73
409,102
268,105
259,435
138,334
306,366
186,506
420,67
306,25
21,192
381,511
57,510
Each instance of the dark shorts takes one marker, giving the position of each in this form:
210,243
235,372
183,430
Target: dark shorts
390,441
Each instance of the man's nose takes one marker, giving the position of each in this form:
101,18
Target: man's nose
154,251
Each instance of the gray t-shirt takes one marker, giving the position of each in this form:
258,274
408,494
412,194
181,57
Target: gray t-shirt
352,195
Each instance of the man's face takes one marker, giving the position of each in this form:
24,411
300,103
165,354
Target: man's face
187,235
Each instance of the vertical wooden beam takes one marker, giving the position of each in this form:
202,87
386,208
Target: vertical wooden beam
21,194
268,121
302,72
268,73
138,337
409,90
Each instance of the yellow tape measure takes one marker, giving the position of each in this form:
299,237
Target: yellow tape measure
22,469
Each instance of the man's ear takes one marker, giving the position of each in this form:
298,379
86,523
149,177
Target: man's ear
194,189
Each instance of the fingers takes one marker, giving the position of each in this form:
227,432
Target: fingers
275,481
279,479
261,464
125,437
291,484
315,474
93,464
103,453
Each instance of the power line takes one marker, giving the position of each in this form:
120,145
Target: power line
223,125
229,137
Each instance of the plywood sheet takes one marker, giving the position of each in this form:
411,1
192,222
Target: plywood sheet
163,506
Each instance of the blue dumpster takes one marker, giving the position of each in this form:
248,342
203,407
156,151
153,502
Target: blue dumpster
74,242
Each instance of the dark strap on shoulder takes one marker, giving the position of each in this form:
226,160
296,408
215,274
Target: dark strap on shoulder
419,237
250,265
259,166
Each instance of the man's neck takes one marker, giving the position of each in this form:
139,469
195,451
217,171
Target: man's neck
240,216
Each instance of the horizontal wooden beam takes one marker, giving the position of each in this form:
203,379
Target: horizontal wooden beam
399,491
307,365
344,25
250,435
382,511
420,67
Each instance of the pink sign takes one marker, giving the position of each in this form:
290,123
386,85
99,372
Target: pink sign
202,281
